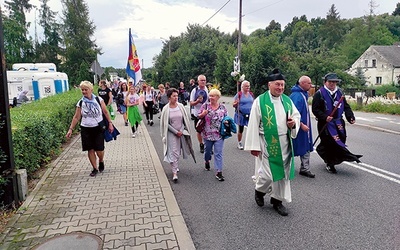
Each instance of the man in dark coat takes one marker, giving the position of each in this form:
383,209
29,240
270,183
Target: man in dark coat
331,126
303,143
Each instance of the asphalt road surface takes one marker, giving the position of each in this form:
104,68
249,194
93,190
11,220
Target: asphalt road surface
358,208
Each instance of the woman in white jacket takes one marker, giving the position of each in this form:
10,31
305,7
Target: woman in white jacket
174,127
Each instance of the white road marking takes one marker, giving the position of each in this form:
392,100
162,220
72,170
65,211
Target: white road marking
366,119
366,169
385,118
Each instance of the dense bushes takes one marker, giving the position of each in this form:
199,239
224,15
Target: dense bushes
39,128
377,107
384,89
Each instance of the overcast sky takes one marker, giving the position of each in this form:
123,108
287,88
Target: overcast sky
152,21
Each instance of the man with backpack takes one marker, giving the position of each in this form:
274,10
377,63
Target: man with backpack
198,96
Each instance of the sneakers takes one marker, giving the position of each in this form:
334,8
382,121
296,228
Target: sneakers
94,172
207,166
126,123
151,122
219,176
240,145
202,148
101,166
175,179
331,169
134,135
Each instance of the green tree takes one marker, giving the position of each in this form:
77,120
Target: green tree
361,77
80,49
190,54
396,12
332,29
360,37
391,22
287,31
224,67
261,55
15,28
303,38
273,26
49,49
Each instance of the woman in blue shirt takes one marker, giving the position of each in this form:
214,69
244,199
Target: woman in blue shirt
243,101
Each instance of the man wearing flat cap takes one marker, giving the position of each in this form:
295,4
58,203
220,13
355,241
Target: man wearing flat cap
328,106
274,121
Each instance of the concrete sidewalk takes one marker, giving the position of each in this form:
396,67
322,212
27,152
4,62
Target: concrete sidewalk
129,206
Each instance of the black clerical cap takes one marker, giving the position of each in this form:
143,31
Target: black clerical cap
276,75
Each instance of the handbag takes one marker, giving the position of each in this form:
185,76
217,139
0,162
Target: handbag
111,112
201,123
103,125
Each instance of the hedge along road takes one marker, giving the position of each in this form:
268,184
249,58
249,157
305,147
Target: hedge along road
355,209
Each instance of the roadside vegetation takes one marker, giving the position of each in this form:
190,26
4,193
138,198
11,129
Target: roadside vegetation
38,131
303,47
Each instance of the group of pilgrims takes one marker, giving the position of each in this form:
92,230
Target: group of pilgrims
278,127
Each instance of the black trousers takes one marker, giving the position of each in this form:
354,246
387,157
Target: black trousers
149,110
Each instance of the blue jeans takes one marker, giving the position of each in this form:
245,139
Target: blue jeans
218,150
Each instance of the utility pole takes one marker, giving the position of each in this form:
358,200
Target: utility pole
239,41
7,167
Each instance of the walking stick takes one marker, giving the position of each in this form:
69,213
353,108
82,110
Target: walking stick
331,114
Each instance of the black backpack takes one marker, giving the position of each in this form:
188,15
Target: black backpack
120,99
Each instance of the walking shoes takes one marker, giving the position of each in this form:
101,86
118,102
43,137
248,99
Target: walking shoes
219,176
331,169
259,197
307,174
101,166
279,207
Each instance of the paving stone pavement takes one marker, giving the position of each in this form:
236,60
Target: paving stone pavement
129,206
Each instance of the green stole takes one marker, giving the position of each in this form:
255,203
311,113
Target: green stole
272,138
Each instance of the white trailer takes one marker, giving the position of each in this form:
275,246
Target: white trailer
42,67
49,83
19,81
38,83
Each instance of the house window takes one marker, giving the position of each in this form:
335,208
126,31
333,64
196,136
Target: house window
373,63
366,63
378,80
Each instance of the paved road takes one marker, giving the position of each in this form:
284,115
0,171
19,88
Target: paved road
354,209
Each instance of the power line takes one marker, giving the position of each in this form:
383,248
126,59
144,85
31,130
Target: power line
216,12
263,7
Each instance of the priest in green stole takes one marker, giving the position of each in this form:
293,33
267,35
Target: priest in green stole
274,121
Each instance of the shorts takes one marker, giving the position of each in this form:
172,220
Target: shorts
122,109
241,129
92,138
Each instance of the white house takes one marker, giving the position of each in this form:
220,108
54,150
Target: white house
380,65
